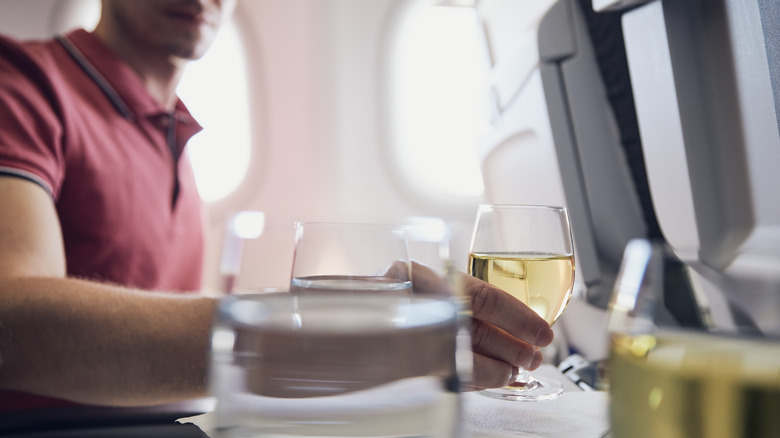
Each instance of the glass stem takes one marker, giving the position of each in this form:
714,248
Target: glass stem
523,376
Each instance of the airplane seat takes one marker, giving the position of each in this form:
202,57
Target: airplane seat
706,78
605,31
589,106
664,118
564,132
678,143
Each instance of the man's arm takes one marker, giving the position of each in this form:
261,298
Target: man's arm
86,341
102,344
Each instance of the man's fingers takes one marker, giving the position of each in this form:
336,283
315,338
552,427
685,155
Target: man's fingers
488,340
493,373
398,270
490,373
426,281
493,305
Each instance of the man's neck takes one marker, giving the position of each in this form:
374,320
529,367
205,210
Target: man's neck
159,73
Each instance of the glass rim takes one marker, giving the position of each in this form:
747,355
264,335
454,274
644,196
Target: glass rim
334,224
507,206
523,206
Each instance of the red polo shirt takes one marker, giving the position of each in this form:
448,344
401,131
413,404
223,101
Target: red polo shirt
79,122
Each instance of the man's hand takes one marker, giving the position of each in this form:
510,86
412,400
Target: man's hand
505,333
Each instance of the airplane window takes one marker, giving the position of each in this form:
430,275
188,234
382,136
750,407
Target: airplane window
214,88
438,104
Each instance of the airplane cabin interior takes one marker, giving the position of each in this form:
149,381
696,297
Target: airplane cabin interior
655,120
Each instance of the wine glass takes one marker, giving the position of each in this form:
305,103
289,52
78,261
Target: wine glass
527,251
348,257
694,352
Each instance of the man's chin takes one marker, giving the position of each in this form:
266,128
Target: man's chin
191,49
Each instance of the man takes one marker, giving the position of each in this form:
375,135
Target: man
100,220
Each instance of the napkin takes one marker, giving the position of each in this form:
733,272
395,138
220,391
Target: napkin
576,413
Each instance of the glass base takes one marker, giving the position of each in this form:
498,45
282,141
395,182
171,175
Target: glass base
531,389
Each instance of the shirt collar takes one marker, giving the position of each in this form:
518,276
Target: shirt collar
120,82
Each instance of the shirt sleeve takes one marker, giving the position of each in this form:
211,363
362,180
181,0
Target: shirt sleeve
31,128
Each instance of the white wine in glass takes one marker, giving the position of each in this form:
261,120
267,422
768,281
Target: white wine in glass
527,251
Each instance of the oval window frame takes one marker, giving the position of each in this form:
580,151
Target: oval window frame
405,175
